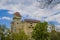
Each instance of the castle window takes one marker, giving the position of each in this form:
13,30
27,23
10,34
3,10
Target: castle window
17,23
31,24
29,27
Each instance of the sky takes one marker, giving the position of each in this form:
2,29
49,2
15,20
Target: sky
43,10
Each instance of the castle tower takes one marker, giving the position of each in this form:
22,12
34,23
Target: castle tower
16,24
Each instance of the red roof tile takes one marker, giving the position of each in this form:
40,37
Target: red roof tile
31,20
17,14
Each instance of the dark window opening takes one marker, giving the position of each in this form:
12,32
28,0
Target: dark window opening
17,23
29,27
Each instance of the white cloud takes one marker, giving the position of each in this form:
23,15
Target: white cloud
10,12
6,18
54,18
57,7
58,28
31,8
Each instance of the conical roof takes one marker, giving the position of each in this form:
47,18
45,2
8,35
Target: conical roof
17,14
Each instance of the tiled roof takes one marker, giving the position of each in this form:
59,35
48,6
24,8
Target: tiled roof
17,14
31,20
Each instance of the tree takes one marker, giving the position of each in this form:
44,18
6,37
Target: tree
3,32
8,35
54,35
40,31
58,35
19,36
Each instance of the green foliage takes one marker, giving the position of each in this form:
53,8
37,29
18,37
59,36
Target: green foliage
3,32
6,35
54,35
40,31
20,36
58,35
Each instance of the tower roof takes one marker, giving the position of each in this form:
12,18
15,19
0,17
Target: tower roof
17,14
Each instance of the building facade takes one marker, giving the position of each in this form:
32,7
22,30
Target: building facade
27,25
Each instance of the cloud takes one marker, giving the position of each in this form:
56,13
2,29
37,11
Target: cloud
29,7
48,3
58,28
6,18
54,18
10,12
32,9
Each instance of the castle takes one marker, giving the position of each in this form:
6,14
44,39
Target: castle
27,25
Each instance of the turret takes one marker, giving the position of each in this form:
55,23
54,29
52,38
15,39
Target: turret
17,22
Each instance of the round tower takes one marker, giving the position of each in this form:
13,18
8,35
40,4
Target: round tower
17,22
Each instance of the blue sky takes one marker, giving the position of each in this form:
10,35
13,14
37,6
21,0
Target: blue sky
5,17
43,10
